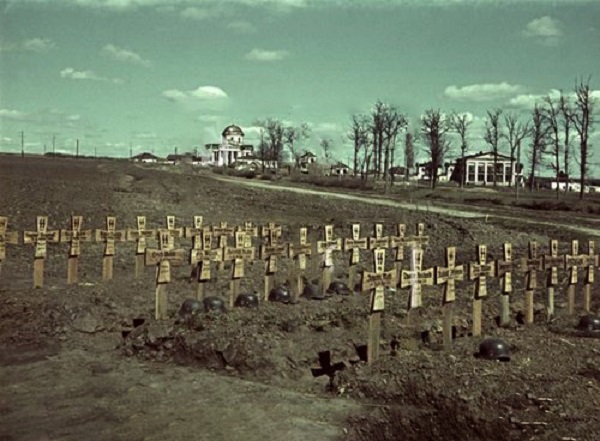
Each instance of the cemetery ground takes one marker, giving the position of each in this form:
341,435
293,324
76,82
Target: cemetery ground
88,360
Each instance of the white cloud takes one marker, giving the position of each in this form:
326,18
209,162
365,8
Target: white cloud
266,55
201,93
195,13
124,55
31,45
482,92
12,115
242,27
86,75
545,30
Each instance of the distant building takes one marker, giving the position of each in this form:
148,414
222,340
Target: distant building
173,159
145,158
306,160
231,148
480,169
339,169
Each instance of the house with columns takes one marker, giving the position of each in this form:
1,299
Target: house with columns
479,169
231,148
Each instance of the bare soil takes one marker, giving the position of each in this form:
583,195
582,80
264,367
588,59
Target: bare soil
74,366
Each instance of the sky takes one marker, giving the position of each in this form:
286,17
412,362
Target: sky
155,75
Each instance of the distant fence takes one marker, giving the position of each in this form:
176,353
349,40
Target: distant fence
236,246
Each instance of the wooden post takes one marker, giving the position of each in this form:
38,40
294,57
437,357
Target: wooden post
573,262
201,260
300,252
588,281
448,276
75,236
550,263
398,243
163,258
171,232
478,271
376,283
354,245
416,278
504,269
6,237
141,234
270,250
326,248
530,266
239,254
222,232
420,240
40,238
378,241
195,233
109,237
251,231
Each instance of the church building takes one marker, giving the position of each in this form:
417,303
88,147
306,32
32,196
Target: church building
231,148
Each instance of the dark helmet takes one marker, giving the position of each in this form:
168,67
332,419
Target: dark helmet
280,294
214,304
313,291
247,300
338,287
589,323
494,349
189,307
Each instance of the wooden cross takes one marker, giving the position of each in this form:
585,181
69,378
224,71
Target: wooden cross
448,276
530,266
141,234
326,248
416,278
504,268
379,241
270,250
573,262
40,238
223,232
109,237
6,237
376,283
398,243
75,236
251,231
239,254
171,232
550,263
591,263
300,252
163,258
419,240
195,233
271,230
201,260
354,245
478,271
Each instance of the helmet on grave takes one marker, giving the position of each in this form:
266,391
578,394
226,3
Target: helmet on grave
247,300
214,304
589,323
494,349
280,294
338,287
313,291
189,307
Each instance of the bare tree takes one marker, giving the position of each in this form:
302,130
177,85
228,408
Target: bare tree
459,123
386,122
433,131
262,144
409,153
583,121
359,135
539,132
326,145
492,137
516,132
551,112
292,135
567,114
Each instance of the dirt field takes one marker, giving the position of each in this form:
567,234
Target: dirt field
67,372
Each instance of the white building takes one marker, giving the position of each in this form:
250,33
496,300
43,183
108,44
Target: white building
479,169
231,147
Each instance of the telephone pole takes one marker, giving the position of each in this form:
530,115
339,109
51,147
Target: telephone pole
53,144
22,144
77,149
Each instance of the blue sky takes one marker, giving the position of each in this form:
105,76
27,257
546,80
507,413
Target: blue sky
157,74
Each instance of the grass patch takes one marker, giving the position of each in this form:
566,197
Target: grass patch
347,182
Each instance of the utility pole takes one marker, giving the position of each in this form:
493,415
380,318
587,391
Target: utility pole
175,150
53,144
130,151
44,149
22,144
77,149
95,152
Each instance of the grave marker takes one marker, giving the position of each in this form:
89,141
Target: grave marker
222,232
201,260
504,269
398,243
416,278
171,232
6,237
478,271
354,245
326,248
573,262
530,266
589,276
140,235
270,250
379,241
419,240
300,252
75,236
239,254
109,237
448,276
550,263
162,258
251,231
376,283
40,238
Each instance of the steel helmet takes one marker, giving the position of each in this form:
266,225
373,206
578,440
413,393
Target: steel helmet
280,294
189,307
338,287
214,304
494,349
313,291
247,300
589,323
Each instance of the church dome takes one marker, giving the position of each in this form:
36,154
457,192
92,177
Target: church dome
232,130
